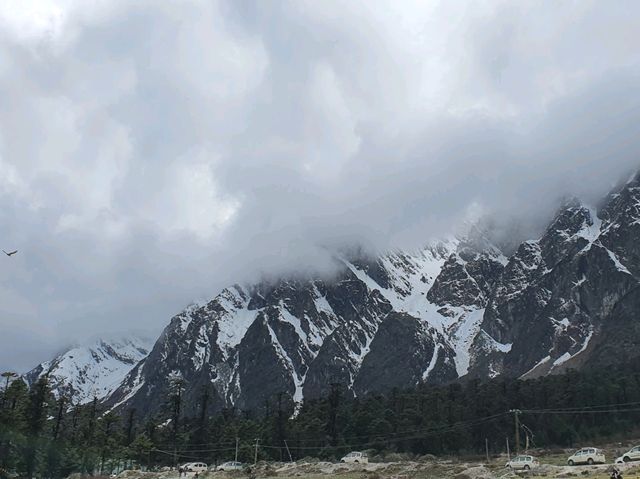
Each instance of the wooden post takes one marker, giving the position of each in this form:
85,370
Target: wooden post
486,448
516,423
255,457
236,449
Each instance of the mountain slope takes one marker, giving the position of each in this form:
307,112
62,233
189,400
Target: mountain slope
92,370
459,307
300,335
561,300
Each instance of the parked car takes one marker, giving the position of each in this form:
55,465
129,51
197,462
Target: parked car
587,455
525,463
632,454
195,467
230,466
356,457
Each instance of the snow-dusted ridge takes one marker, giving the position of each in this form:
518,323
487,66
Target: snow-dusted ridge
94,369
457,307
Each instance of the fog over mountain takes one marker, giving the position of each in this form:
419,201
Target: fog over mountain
154,152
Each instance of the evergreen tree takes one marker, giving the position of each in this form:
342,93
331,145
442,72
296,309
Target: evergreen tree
13,424
36,415
176,389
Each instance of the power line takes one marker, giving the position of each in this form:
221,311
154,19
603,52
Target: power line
349,439
396,439
202,444
579,408
398,436
586,411
378,439
186,456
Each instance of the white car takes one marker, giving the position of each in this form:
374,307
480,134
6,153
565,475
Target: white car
587,455
230,466
195,467
356,457
632,454
525,463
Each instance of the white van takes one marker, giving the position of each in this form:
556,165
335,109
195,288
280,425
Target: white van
356,457
524,463
195,467
230,466
587,455
631,455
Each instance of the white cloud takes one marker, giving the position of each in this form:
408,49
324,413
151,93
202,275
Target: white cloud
152,152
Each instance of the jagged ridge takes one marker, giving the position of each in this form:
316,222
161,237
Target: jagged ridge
460,307
93,370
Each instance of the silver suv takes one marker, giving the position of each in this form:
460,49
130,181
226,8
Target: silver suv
631,455
587,455
524,463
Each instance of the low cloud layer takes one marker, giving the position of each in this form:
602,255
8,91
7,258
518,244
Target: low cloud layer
153,152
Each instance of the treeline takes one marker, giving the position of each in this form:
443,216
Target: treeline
45,436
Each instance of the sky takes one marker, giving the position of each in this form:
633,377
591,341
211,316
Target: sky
153,152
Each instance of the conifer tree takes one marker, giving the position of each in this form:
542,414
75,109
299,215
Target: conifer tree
36,417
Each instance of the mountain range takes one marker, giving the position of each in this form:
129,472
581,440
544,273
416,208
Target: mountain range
467,306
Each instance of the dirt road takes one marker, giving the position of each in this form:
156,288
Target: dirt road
437,469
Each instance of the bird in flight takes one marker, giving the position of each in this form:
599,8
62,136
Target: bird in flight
10,253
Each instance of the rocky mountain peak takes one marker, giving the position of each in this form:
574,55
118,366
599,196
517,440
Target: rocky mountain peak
474,305
92,370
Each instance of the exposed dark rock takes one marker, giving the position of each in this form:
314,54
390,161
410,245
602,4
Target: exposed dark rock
475,305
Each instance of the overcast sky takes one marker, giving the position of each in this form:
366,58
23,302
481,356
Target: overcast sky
152,152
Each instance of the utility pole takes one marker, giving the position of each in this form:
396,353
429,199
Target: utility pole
486,448
237,449
508,452
255,457
516,418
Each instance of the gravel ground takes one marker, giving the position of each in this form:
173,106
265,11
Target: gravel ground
398,470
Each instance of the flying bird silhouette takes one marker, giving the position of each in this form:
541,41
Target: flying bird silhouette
11,253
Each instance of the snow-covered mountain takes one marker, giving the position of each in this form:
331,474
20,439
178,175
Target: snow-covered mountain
92,370
465,306
299,335
571,298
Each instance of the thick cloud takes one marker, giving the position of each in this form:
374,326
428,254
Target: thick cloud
153,152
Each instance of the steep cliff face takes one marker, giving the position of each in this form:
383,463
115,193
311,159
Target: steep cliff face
467,306
405,352
564,300
380,323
